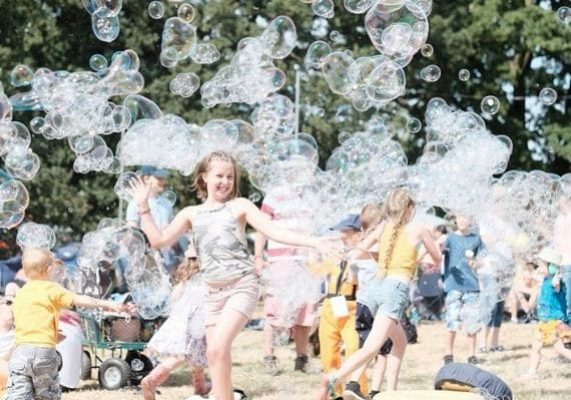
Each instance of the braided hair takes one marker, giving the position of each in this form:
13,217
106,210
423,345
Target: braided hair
396,207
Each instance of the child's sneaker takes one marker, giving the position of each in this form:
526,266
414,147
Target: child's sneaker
271,365
474,361
353,391
373,393
448,359
327,388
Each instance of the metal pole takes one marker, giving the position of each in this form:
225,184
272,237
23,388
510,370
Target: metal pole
297,94
121,170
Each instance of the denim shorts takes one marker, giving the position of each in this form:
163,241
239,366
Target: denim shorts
463,312
387,297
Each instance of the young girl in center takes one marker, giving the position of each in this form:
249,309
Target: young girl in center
182,337
399,239
218,228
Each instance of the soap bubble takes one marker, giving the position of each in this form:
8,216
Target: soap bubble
358,6
316,54
279,38
109,8
123,185
180,36
98,62
427,50
323,8
106,28
169,196
564,15
490,105
156,9
14,200
386,82
430,73
168,57
32,235
184,84
255,197
464,75
413,125
548,96
397,29
335,70
205,53
37,124
21,75
186,12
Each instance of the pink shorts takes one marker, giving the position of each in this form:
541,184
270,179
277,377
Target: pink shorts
240,294
273,311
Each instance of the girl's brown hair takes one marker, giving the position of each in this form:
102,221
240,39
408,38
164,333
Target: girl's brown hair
186,269
396,206
204,165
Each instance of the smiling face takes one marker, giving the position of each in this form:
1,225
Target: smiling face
220,180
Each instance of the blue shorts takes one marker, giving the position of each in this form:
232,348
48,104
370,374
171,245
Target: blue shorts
387,297
463,312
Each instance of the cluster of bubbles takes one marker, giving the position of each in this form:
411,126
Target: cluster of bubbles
14,136
32,235
251,75
78,109
398,30
104,18
180,41
184,84
366,81
114,245
20,162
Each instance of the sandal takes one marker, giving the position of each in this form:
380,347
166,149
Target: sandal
498,348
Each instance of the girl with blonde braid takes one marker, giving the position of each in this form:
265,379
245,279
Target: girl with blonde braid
399,239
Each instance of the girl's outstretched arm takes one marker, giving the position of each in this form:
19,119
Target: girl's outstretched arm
157,238
262,223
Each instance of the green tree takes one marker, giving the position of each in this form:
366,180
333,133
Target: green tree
512,48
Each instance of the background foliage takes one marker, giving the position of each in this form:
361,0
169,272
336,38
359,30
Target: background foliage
513,48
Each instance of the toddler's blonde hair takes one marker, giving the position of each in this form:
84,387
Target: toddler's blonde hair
36,261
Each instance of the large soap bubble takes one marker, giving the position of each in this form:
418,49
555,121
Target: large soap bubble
14,200
180,36
279,38
31,234
397,28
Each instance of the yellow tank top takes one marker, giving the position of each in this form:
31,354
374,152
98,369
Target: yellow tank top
404,255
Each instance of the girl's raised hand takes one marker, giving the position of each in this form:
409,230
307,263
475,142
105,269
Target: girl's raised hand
139,190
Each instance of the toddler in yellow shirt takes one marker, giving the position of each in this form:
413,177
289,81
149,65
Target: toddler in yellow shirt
33,366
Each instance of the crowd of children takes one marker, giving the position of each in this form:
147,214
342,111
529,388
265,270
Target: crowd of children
366,292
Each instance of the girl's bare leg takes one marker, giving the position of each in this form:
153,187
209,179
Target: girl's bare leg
219,340
394,359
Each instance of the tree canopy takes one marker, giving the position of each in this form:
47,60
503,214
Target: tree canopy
512,49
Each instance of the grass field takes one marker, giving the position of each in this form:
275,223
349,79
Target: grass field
420,366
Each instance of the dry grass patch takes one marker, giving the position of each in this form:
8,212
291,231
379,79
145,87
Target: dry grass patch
420,366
